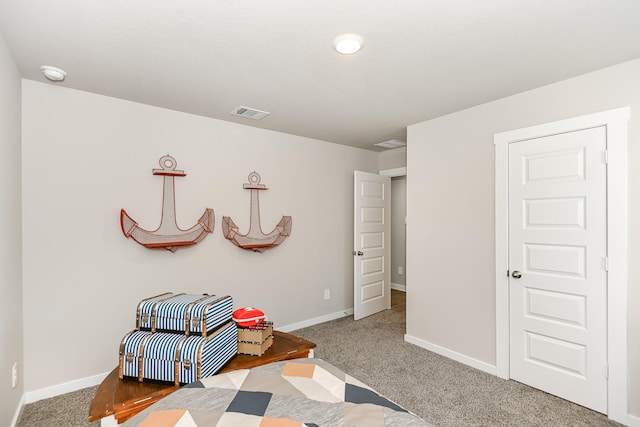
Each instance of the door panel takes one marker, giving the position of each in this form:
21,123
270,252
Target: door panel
555,354
372,251
566,212
557,240
555,259
372,266
559,307
372,240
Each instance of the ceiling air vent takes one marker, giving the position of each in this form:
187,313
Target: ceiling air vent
393,143
249,113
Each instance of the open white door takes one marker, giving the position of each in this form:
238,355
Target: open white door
371,244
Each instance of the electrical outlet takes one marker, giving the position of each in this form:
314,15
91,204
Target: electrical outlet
14,375
400,271
327,294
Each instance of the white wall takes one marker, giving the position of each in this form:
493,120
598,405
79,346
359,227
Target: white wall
451,245
392,159
87,156
11,242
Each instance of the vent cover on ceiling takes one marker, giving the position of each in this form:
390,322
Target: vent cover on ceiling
249,113
393,143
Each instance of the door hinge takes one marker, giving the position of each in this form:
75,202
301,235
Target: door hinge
606,372
606,263
606,157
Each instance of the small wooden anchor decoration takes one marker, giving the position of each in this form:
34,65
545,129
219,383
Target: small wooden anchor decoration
168,235
255,239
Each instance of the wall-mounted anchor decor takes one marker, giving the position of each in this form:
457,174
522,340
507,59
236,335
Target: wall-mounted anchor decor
168,235
255,239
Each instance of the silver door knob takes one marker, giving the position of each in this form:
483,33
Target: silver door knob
516,274
358,253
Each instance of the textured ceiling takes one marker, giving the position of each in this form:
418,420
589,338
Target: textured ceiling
422,58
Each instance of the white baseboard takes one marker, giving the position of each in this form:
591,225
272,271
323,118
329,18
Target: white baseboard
68,387
397,287
16,416
315,320
458,357
633,421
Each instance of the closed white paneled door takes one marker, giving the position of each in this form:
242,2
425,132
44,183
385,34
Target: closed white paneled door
372,250
557,265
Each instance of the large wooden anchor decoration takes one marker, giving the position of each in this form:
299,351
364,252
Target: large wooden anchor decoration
168,235
255,239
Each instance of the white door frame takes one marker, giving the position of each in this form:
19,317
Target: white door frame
395,172
617,245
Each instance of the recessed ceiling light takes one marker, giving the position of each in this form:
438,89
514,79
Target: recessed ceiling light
348,44
53,74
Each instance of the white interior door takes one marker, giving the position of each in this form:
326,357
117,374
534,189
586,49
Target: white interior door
371,245
557,265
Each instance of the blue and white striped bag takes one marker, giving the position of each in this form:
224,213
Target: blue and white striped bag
176,358
183,313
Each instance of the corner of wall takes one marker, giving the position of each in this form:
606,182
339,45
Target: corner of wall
11,305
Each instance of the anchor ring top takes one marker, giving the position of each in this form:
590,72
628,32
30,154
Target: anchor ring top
254,178
168,162
254,182
168,165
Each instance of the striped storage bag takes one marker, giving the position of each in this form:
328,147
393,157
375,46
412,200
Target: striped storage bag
183,313
176,358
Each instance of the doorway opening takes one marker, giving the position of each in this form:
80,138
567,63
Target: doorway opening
398,237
